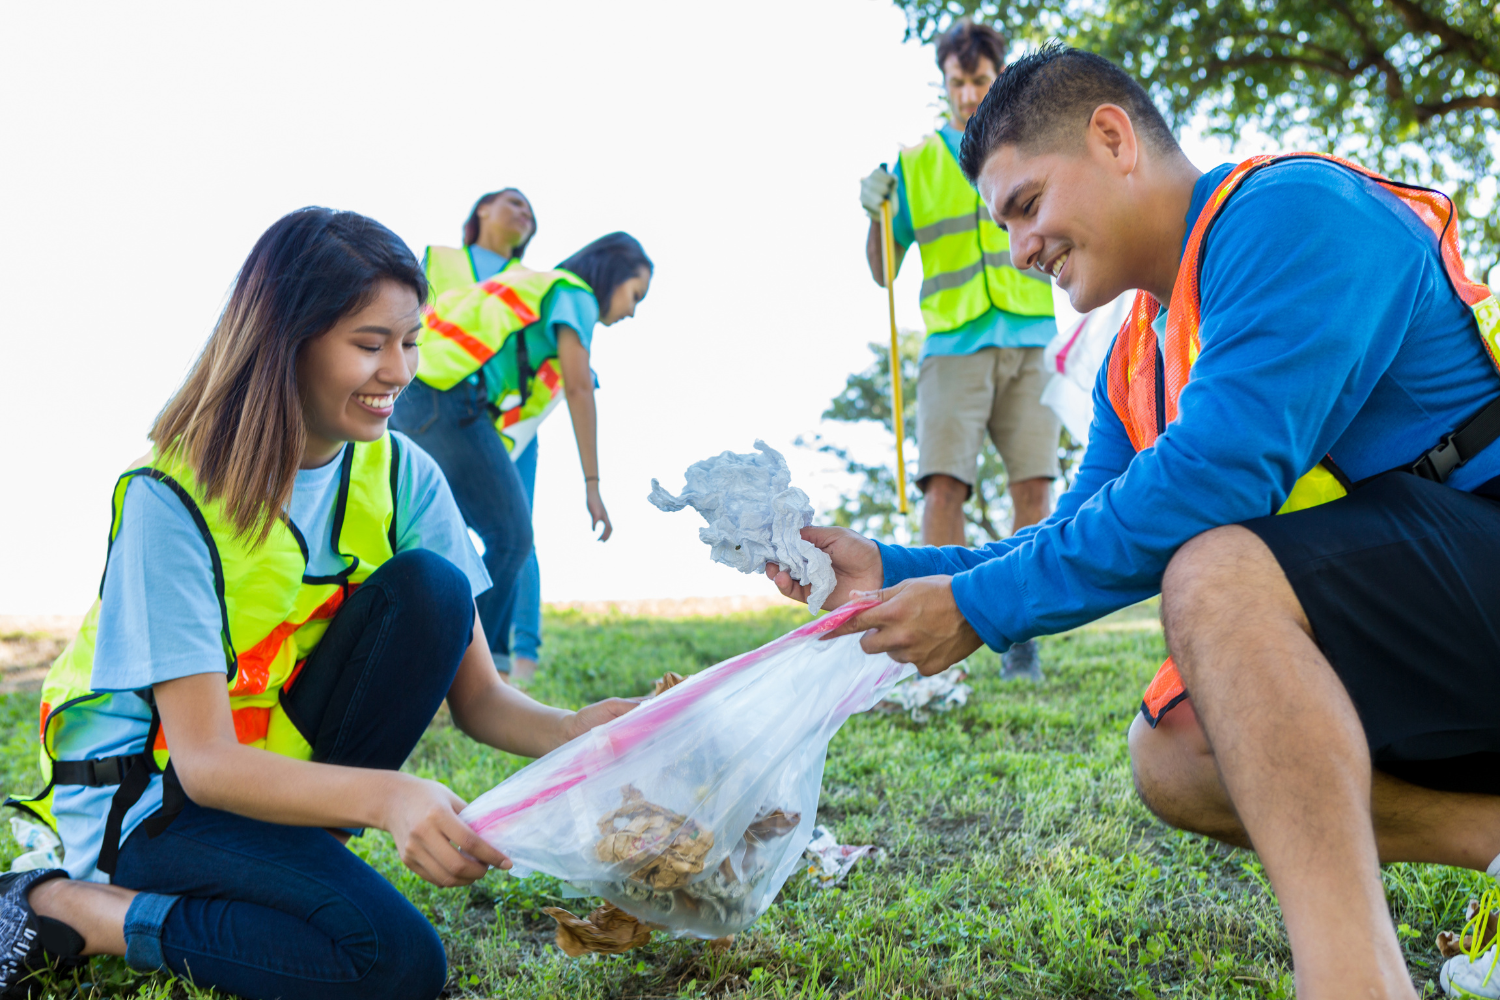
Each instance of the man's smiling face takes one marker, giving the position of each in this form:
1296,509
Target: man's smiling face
1062,209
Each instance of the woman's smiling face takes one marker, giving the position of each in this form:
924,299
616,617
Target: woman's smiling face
350,376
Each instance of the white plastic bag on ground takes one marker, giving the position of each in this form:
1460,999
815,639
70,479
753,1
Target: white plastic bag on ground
690,812
1074,358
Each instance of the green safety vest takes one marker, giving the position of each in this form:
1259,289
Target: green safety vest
273,616
966,268
462,328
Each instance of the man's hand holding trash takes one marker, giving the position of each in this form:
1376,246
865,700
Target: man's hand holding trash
917,621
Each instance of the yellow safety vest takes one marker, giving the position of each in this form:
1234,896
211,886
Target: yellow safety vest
966,267
462,328
273,616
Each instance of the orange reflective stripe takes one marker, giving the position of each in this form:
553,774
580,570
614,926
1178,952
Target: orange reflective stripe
1164,691
455,333
253,667
549,376
46,710
250,724
508,295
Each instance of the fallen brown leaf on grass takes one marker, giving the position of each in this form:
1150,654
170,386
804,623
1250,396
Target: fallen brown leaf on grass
608,930
1449,943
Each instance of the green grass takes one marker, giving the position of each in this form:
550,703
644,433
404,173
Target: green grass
1015,860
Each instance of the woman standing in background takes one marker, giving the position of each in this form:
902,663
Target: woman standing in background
451,420
533,331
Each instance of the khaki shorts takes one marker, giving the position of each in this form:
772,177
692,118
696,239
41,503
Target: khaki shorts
998,389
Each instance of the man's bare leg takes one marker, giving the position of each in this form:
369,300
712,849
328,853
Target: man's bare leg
1178,780
943,500
1292,755
1030,502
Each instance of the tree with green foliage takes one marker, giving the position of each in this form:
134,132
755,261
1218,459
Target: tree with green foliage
870,507
1410,88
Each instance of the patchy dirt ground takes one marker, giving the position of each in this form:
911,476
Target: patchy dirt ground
28,645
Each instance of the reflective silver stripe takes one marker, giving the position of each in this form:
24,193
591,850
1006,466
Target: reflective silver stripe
951,279
946,227
1002,259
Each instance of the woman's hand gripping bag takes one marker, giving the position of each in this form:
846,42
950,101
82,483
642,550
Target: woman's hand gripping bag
690,812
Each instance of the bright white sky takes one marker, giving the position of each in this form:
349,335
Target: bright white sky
151,144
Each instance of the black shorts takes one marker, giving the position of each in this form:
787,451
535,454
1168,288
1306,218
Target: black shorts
1401,583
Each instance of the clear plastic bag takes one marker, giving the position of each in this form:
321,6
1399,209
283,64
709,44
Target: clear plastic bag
690,812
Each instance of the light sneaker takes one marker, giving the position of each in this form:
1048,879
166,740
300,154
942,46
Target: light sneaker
1472,973
26,939
1021,662
1463,976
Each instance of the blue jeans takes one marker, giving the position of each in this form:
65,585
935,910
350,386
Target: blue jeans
455,428
526,623
263,910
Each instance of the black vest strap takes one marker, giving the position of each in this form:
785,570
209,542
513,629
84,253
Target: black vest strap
1458,447
132,772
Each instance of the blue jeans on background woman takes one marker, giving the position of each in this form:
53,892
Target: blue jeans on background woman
455,428
526,639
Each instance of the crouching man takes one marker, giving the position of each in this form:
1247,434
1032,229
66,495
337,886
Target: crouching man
1292,442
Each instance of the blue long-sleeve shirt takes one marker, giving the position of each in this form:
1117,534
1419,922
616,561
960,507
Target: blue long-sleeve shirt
1328,326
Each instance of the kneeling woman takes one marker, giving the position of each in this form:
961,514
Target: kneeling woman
279,538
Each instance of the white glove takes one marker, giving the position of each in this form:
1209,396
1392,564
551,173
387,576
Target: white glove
876,188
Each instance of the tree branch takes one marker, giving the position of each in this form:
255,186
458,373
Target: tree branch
1427,112
1419,20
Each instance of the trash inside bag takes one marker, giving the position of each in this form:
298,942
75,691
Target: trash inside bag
755,516
690,812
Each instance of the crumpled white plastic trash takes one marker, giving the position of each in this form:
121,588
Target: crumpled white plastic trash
923,695
831,861
40,846
754,516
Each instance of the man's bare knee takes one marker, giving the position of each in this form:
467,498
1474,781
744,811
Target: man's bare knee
1220,577
1157,759
1176,778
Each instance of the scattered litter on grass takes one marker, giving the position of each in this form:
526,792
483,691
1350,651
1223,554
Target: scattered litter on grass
608,930
40,846
831,861
1451,944
923,695
754,516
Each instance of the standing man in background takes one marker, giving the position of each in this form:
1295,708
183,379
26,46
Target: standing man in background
987,322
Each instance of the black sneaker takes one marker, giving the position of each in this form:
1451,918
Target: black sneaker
27,939
1021,662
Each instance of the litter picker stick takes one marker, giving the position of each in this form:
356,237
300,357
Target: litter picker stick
887,255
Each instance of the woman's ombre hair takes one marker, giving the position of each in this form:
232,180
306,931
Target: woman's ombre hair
237,419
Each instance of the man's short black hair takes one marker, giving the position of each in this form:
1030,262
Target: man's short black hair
1046,98
971,42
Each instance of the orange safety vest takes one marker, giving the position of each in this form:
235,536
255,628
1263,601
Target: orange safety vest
1134,358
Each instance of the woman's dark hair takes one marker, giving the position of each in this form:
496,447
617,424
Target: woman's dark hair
237,419
471,225
972,42
607,263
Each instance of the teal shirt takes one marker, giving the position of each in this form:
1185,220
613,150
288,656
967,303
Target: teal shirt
564,305
996,328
